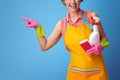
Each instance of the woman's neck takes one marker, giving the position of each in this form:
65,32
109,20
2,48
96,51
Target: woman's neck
74,15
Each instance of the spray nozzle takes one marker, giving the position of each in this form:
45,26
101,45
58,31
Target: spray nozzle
95,20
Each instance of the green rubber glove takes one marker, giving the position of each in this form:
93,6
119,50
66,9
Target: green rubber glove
40,32
104,43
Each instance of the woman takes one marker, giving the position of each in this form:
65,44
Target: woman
84,65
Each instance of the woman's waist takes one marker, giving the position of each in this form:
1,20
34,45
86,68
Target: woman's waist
84,71
86,61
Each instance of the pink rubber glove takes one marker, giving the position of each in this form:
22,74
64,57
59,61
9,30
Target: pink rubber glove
30,23
96,49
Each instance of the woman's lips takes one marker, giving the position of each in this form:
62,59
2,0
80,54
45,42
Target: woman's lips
73,6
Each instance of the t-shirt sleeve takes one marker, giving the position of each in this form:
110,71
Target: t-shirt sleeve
63,26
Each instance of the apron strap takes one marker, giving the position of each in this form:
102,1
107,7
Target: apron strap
86,21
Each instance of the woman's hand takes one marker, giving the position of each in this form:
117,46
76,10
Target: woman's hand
40,32
30,23
96,49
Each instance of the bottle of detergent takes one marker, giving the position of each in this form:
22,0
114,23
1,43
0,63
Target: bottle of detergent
95,36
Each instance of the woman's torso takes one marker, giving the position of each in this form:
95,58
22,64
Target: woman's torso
73,34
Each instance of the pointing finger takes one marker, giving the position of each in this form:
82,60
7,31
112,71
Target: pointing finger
25,18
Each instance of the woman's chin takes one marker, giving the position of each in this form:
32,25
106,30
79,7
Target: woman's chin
73,9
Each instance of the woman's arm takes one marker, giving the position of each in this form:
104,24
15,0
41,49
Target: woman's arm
46,43
97,48
102,33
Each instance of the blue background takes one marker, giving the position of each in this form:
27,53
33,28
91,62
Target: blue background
20,55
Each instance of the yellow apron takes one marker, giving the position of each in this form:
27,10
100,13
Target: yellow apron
82,65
